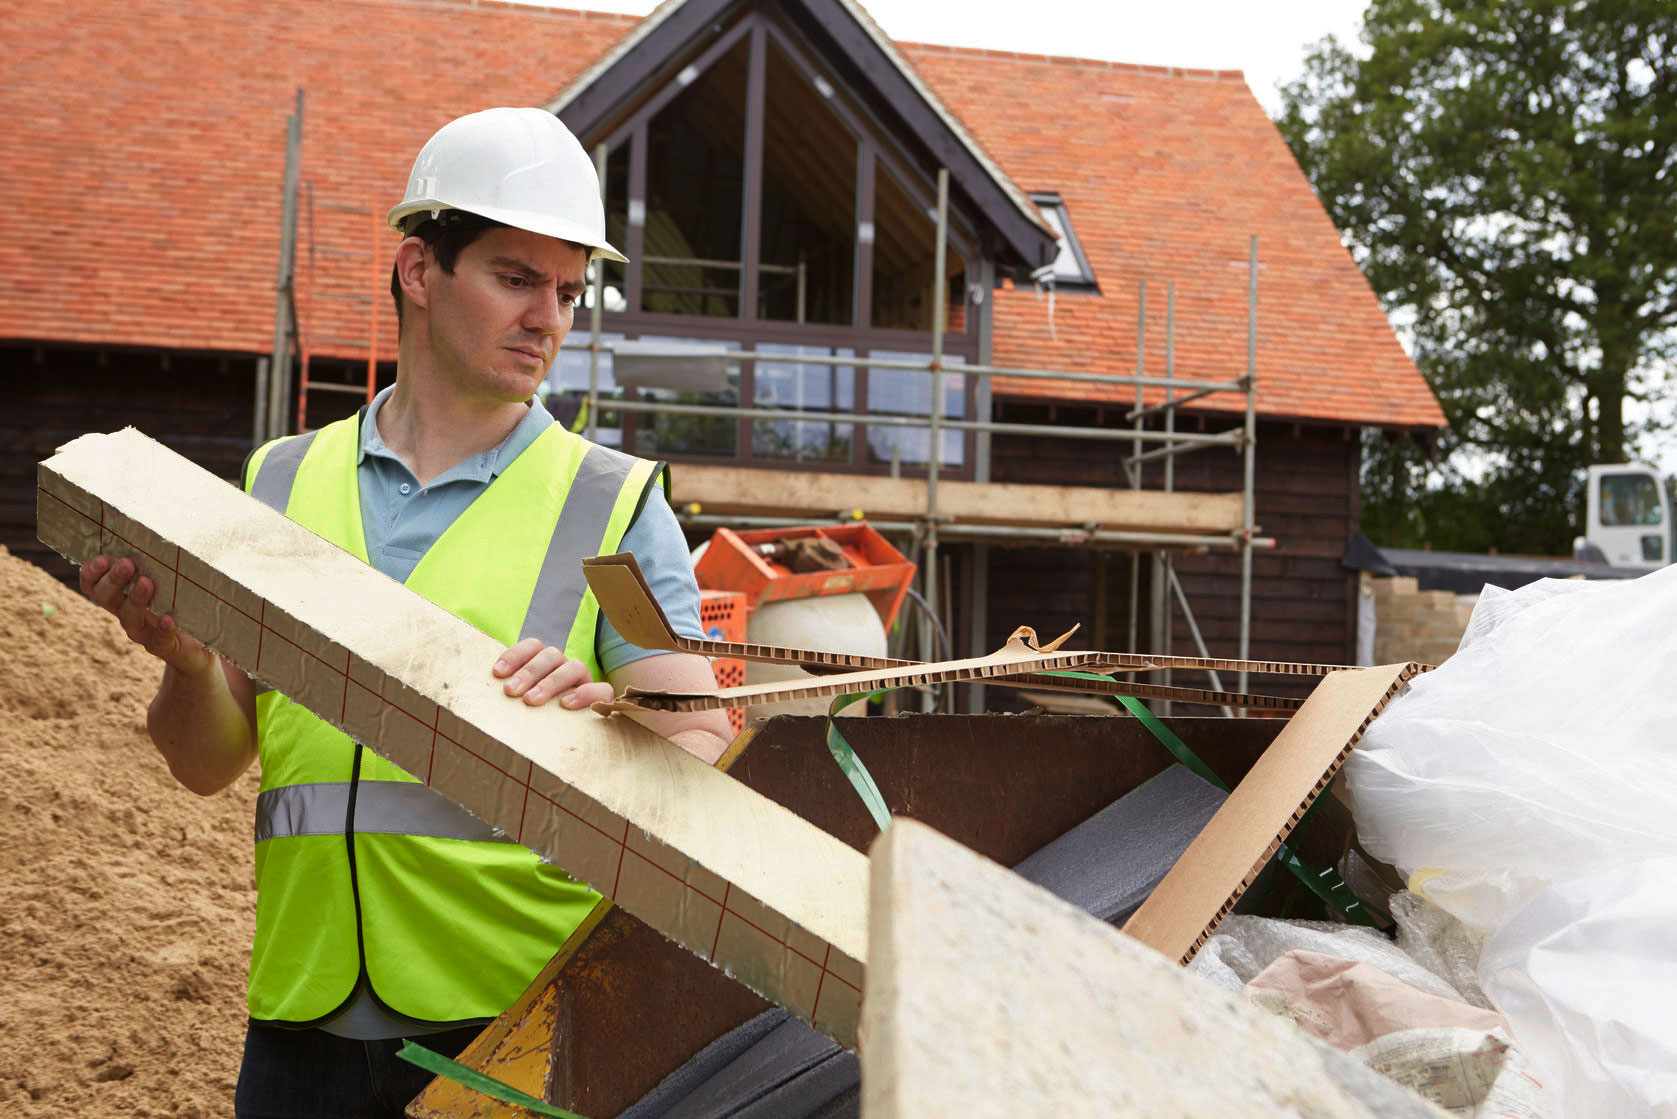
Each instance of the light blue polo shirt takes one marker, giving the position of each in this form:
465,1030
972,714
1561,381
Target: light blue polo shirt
401,519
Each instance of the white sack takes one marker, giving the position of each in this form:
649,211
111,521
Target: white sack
1544,755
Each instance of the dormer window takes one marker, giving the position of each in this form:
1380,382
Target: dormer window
1071,268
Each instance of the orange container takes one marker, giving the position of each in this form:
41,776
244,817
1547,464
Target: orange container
733,563
722,614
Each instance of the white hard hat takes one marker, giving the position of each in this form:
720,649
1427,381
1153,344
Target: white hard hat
520,167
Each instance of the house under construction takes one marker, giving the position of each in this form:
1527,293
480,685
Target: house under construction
1078,335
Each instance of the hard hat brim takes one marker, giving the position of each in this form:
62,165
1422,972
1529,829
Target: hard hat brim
543,224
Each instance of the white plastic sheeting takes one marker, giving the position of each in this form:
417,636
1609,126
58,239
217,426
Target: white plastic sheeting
1528,787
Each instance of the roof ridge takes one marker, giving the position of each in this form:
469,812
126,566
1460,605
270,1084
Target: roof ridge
1081,63
542,10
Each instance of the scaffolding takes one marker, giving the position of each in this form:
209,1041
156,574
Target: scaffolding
928,530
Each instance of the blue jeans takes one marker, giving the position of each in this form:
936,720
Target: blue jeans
311,1074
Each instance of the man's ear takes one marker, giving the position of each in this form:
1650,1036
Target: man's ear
414,268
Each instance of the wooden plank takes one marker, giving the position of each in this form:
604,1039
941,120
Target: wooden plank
733,877
740,491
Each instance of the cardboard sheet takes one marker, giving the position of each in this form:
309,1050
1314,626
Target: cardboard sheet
1217,868
624,597
735,878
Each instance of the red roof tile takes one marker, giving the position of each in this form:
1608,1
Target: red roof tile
144,148
1166,174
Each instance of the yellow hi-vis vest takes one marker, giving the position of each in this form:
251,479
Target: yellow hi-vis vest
364,875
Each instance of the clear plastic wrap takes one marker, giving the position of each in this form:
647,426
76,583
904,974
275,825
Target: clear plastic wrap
1440,943
1243,946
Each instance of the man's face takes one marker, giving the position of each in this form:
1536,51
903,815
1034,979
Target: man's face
497,322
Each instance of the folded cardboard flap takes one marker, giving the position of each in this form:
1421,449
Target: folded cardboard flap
716,867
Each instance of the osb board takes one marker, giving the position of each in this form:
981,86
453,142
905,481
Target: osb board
736,879
989,996
1209,878
743,491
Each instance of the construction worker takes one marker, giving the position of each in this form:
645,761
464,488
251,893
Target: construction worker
385,911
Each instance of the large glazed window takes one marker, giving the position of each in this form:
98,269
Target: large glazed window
695,175
904,252
704,377
804,386
809,199
908,392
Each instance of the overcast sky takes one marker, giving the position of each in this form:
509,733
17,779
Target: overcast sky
1268,39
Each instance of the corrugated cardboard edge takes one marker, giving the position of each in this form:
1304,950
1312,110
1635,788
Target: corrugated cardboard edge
1235,846
736,879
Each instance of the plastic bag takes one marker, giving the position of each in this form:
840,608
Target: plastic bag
1541,757
1244,945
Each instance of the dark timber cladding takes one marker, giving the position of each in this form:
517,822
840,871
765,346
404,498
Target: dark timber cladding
1302,598
198,405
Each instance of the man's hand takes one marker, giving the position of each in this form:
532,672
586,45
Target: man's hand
115,588
203,718
540,672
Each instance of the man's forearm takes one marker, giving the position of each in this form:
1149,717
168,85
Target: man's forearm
703,743
204,726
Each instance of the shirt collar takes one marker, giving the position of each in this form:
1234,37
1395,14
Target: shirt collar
481,468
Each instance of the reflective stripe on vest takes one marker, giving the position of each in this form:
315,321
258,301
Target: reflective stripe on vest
594,491
381,808
277,471
454,922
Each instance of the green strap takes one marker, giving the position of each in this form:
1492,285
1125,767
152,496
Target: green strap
1324,882
1164,734
850,765
471,1078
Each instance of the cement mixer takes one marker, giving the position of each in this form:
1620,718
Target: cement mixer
832,587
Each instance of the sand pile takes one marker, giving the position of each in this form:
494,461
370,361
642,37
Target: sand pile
126,902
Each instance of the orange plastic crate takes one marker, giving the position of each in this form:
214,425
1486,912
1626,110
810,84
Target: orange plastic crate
722,614
877,570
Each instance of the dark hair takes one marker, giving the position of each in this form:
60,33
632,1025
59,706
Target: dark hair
447,235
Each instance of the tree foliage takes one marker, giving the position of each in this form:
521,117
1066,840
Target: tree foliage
1505,173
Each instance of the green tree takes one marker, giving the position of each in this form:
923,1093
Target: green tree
1504,173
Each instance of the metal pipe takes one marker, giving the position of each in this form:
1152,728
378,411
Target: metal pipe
934,455
1131,465
372,318
1180,444
258,432
1134,469
595,312
1188,440
1210,387
269,422
1154,409
1251,456
701,262
992,532
1166,568
1199,641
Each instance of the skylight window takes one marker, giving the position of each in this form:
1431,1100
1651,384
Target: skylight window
1071,268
